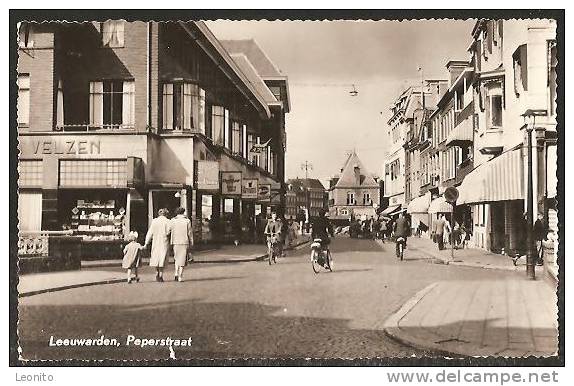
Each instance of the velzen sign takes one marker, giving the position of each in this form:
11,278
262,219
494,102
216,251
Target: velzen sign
207,175
231,183
264,192
250,188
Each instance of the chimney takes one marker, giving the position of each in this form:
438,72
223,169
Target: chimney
455,68
357,174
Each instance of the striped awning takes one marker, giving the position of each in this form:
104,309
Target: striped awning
420,204
461,133
499,179
439,205
390,209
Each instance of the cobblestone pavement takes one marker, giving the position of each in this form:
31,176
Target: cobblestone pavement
245,310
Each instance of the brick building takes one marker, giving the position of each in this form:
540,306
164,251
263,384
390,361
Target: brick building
119,119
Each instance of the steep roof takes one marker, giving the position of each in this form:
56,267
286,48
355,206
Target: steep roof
348,178
264,66
254,78
309,183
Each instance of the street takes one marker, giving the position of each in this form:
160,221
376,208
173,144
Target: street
245,310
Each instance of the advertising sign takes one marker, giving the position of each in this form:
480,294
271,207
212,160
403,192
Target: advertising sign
250,188
231,183
264,192
208,175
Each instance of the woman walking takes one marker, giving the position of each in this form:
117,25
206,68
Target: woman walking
182,240
158,236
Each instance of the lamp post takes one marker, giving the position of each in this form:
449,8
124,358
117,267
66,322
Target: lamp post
529,125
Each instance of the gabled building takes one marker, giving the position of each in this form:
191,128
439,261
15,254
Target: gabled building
355,191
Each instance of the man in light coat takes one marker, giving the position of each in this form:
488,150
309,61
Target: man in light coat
158,236
182,240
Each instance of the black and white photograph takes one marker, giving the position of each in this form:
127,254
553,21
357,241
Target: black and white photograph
289,189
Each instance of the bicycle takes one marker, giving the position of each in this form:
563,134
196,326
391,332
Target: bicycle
321,256
400,246
273,248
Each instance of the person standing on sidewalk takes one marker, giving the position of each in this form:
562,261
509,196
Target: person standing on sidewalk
438,231
158,236
182,240
131,259
540,231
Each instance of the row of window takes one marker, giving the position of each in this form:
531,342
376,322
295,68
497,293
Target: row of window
112,106
111,31
352,201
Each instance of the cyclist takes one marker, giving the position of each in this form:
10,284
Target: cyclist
273,228
401,229
322,228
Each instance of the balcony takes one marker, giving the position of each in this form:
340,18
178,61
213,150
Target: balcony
88,127
462,134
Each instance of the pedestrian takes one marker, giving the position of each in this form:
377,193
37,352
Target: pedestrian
540,233
182,240
438,231
383,229
447,231
131,260
158,236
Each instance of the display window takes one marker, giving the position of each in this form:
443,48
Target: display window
94,214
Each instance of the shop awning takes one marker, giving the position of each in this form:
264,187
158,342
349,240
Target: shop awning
390,209
461,133
499,179
420,204
397,211
439,205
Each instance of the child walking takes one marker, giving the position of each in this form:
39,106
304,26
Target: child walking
131,259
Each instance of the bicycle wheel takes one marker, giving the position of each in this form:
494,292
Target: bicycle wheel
270,255
402,250
316,266
329,260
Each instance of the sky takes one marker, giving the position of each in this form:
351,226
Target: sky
324,59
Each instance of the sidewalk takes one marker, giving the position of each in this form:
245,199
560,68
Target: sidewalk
515,317
469,257
36,283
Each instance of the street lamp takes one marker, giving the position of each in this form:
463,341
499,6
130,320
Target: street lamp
529,125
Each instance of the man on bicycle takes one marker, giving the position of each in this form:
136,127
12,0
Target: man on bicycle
322,228
273,228
401,228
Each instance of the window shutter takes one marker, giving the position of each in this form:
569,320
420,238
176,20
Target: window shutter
226,141
60,105
168,106
524,66
96,104
244,143
489,35
128,108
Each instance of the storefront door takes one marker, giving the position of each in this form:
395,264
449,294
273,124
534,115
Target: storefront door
166,199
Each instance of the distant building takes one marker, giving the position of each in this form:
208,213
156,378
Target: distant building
305,193
354,192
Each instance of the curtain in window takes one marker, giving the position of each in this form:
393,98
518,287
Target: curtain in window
244,144
96,104
167,106
29,211
24,99
189,113
128,103
218,126
113,33
226,133
236,137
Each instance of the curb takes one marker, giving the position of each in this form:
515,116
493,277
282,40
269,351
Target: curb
71,286
392,330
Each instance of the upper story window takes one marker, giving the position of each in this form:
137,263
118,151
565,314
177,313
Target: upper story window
367,199
218,124
236,138
495,111
112,33
520,66
25,36
183,107
112,103
23,100
350,198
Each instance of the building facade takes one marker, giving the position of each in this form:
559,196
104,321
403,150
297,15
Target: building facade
119,119
307,195
355,193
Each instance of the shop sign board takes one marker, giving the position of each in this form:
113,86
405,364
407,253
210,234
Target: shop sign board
264,192
207,175
250,188
231,183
